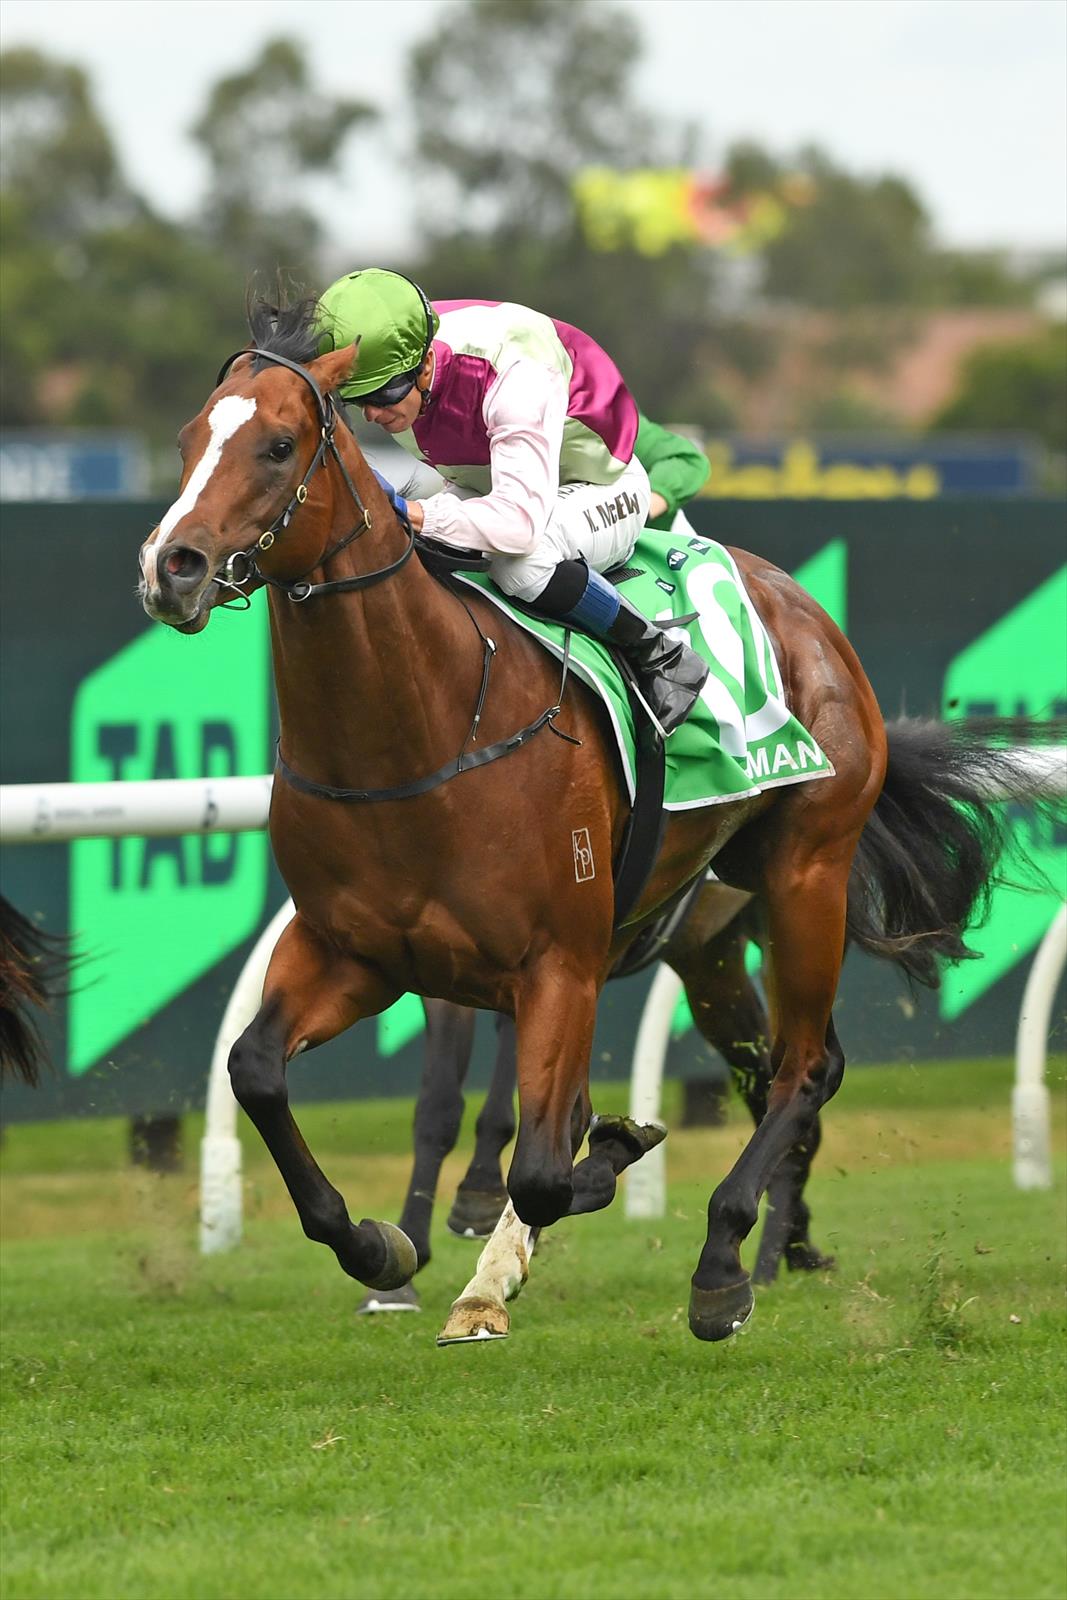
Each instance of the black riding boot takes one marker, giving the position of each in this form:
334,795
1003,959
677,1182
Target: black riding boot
670,675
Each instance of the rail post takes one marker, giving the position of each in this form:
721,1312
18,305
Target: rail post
646,1183
221,1204
1032,1165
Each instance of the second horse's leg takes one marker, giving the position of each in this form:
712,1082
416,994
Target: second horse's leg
482,1196
438,1114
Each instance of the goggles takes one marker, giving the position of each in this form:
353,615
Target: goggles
391,393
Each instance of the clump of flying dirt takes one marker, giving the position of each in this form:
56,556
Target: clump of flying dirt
162,1258
940,1319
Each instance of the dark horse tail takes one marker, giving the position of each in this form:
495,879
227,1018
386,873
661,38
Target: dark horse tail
34,970
936,844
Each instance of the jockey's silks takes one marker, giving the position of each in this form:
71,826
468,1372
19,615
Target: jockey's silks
479,341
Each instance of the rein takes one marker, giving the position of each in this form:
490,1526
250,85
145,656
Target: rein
298,590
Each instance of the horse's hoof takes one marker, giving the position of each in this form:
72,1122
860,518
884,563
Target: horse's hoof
717,1313
805,1258
476,1212
401,1258
471,1321
375,1300
636,1138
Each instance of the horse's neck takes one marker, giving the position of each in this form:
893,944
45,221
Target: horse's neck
375,686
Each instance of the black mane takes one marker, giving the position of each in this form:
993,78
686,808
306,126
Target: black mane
285,330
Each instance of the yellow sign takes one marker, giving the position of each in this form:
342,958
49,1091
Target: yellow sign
800,475
653,209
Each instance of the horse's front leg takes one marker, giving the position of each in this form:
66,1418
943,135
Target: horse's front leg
311,994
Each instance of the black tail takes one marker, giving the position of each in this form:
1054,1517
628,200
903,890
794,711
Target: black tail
936,843
34,970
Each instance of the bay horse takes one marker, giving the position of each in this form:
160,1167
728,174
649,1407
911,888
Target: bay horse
707,950
431,773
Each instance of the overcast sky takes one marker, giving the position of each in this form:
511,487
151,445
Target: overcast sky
964,97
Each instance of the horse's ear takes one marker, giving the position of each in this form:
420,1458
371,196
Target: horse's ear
335,368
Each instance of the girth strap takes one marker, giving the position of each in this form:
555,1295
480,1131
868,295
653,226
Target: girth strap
464,762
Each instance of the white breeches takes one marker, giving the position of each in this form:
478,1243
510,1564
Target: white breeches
598,521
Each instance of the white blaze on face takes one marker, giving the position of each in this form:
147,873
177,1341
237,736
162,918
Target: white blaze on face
227,415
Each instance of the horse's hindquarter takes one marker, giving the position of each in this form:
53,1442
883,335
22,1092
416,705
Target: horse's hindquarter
825,685
828,691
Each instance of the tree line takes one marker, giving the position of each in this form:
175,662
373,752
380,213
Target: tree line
112,315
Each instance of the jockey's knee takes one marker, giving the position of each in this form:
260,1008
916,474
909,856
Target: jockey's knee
525,577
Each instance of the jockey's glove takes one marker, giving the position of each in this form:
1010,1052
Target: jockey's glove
397,501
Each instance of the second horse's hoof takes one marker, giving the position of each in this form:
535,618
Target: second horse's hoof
476,1212
717,1313
401,1259
378,1300
806,1258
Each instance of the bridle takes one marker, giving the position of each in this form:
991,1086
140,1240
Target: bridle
298,589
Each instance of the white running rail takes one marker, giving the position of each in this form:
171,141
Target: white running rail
46,813
41,813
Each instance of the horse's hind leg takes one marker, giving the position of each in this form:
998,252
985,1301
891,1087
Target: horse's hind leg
806,898
482,1195
312,994
786,1232
730,1015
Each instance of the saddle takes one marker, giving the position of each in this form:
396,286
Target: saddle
641,840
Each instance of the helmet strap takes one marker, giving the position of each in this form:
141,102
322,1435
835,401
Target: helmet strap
425,384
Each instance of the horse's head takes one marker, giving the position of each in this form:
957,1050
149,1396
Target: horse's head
245,458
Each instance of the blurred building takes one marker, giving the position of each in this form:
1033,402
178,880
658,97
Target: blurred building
68,466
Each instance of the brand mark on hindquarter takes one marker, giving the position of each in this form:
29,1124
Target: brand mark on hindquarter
583,855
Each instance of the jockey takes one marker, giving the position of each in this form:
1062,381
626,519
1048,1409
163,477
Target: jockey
533,429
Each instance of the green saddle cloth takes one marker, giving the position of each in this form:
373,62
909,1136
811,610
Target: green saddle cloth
740,738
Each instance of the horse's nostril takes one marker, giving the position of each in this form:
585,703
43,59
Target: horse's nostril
184,566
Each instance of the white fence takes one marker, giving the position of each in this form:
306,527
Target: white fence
42,813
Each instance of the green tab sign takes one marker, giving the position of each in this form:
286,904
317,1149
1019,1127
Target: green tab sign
157,913
1017,668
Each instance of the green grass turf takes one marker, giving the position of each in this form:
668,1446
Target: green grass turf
176,1427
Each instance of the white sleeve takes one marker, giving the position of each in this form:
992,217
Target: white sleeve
524,413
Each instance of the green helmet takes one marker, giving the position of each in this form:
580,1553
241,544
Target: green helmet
388,314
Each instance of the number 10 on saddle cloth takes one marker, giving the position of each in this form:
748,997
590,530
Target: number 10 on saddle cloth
740,738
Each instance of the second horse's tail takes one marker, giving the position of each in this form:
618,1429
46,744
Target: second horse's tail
34,969
934,847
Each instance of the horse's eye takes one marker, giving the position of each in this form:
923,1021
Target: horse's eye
281,451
